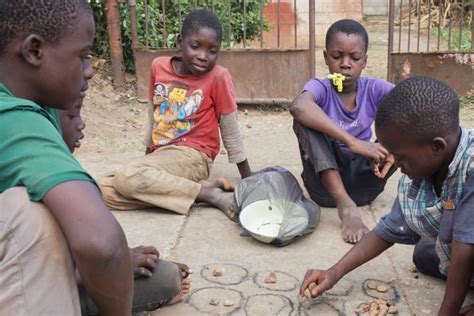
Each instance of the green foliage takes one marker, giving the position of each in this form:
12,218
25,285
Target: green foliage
162,30
454,41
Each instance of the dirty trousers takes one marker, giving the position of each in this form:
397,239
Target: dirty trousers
36,267
319,152
167,178
37,270
149,293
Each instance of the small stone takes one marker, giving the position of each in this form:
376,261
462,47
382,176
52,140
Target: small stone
246,112
228,303
307,293
311,286
380,301
248,126
392,310
214,302
372,285
412,269
416,276
217,272
383,308
270,278
382,288
363,308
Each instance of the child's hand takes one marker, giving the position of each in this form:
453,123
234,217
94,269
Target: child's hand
325,280
386,164
372,151
467,310
144,259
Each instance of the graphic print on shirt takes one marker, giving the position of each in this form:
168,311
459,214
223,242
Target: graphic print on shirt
173,104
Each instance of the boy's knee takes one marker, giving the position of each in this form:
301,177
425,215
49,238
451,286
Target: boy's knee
31,220
171,278
165,284
125,180
33,248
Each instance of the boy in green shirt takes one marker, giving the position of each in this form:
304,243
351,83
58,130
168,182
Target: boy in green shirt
44,49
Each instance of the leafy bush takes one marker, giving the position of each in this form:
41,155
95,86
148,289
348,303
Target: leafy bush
156,24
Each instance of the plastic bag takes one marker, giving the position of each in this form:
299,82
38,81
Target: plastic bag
272,208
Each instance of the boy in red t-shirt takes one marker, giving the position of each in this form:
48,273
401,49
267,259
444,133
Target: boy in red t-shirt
190,99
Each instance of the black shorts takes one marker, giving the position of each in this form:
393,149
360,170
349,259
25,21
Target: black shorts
319,152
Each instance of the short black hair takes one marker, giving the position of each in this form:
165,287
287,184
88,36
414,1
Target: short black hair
201,18
421,107
50,19
347,26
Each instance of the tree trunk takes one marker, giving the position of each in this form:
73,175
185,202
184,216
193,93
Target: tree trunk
115,42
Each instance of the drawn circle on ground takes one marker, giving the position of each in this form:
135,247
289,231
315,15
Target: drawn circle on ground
322,306
232,274
342,288
201,298
268,304
285,282
390,295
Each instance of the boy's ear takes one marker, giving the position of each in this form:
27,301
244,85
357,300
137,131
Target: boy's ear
178,41
439,144
325,54
32,49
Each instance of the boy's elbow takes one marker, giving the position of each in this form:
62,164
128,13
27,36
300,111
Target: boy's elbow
295,108
105,250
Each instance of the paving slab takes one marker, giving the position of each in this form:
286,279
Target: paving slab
206,240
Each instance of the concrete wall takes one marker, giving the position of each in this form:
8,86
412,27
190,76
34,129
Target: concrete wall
457,70
259,75
375,7
327,12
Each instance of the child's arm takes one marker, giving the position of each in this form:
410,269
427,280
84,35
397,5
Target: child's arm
232,140
461,268
369,247
151,121
459,278
97,242
392,228
305,110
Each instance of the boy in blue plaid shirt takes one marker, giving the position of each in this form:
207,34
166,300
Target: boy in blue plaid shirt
418,122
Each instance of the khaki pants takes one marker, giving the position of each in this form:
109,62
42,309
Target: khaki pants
36,267
167,178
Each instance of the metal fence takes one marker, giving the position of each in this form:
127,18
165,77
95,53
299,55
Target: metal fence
259,36
226,10
434,38
430,25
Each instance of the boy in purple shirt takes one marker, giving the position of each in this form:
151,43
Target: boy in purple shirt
341,167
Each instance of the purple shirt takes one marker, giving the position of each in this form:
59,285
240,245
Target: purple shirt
370,91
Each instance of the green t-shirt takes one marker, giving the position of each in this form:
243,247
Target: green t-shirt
32,151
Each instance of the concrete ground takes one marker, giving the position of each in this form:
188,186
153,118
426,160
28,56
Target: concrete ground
206,240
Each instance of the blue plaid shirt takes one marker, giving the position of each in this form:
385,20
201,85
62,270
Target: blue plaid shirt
419,212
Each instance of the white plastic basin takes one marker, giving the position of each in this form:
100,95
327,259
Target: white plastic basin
262,220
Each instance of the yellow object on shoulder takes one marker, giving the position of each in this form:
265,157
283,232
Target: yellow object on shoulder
337,80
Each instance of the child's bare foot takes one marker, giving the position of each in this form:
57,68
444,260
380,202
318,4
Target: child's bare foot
352,226
185,284
218,198
220,183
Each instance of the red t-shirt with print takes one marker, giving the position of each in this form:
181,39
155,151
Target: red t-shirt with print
187,108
